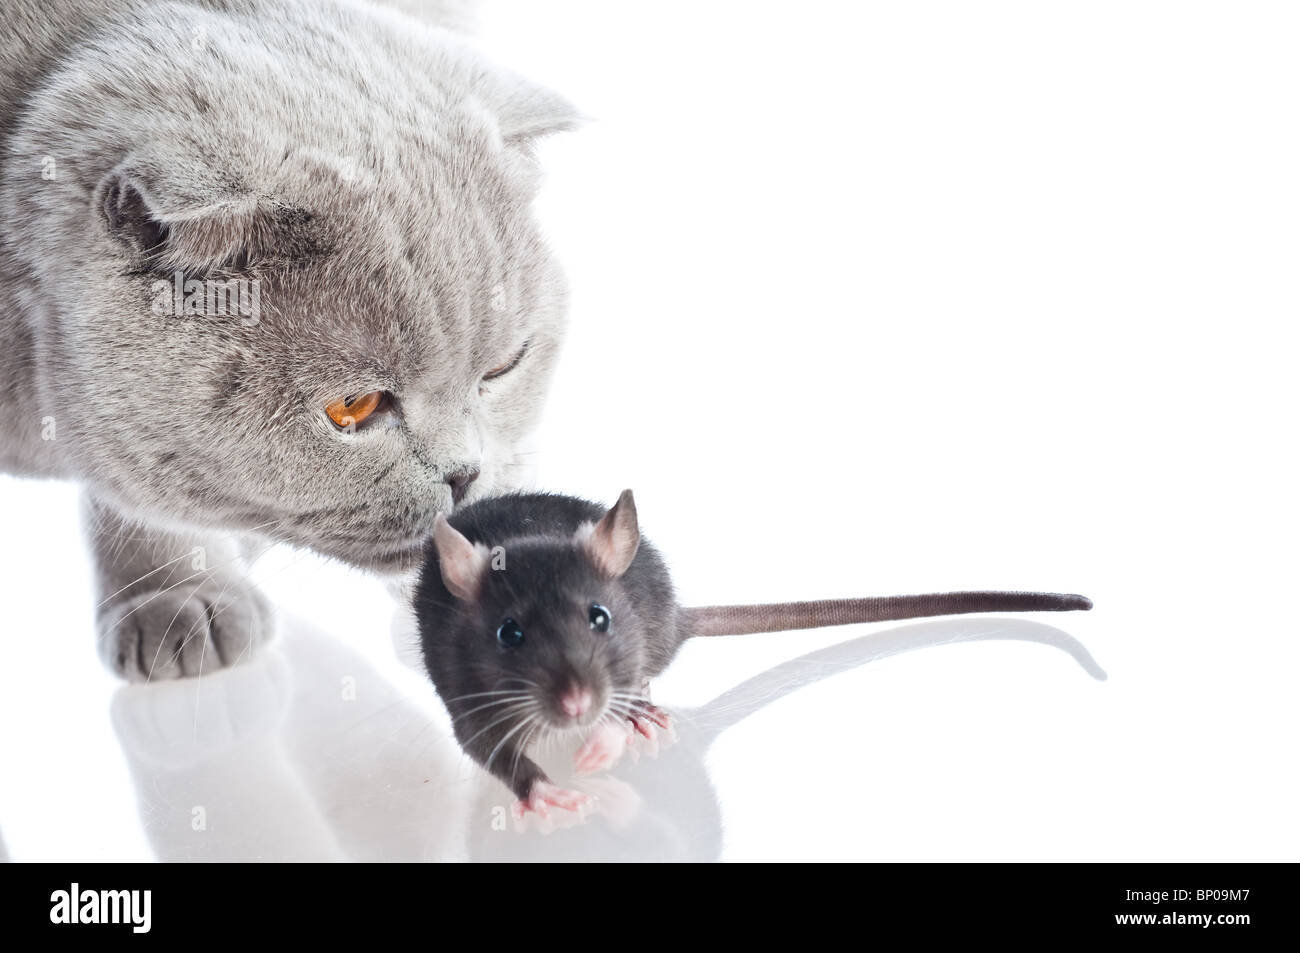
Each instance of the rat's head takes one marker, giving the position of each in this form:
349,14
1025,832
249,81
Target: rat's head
294,288
546,619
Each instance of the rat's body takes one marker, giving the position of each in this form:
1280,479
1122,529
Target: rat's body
543,613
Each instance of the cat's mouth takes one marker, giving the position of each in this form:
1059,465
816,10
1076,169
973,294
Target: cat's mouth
386,549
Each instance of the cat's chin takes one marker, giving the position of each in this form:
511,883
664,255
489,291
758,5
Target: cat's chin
397,562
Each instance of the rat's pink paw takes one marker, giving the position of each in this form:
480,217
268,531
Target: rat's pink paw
551,807
603,748
653,729
648,717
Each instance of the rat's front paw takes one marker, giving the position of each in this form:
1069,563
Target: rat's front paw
183,631
603,747
551,806
652,730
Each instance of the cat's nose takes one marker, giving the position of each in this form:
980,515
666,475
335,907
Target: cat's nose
460,481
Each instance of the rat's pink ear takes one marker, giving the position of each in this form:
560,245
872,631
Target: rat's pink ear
612,543
462,563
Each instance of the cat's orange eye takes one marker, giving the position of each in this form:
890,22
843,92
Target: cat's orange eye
350,411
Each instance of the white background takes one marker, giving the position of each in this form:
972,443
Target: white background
869,299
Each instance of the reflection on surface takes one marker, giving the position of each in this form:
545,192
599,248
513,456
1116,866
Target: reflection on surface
307,754
304,753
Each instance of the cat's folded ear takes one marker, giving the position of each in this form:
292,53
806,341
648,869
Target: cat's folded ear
172,223
525,110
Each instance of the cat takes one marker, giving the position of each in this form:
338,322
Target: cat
271,275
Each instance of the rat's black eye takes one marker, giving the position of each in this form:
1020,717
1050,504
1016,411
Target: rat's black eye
510,633
599,616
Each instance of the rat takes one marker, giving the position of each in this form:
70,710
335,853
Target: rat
542,614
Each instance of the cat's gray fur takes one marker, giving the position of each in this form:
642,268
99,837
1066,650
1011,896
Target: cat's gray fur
374,173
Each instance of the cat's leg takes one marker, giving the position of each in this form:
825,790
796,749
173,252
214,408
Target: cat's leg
171,605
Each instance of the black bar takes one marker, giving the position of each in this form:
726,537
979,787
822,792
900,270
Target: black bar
1229,902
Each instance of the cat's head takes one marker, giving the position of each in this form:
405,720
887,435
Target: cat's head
358,190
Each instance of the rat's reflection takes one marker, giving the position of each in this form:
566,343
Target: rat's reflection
306,753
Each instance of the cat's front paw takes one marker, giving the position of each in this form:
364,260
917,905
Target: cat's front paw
183,631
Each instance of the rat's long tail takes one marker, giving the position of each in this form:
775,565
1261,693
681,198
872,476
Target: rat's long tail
777,617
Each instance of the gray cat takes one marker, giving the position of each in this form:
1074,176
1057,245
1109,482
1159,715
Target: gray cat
270,274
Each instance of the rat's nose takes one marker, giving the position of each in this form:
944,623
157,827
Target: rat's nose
460,481
576,702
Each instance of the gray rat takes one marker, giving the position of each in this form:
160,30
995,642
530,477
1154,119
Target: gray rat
542,614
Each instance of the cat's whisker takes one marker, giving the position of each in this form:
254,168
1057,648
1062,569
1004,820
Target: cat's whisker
214,608
176,656
198,681
139,579
148,534
159,592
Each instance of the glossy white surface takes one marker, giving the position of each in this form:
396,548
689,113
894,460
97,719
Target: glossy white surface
873,299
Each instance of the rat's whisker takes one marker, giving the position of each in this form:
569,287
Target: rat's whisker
523,745
519,707
525,681
491,704
487,765
505,691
